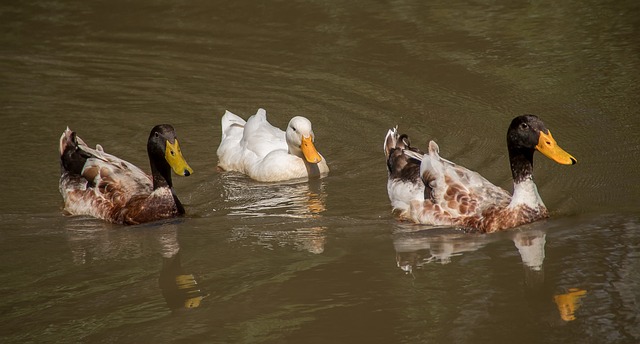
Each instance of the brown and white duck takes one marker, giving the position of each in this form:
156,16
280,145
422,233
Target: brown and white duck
101,185
428,189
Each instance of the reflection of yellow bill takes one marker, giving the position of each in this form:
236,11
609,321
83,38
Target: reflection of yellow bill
193,302
315,204
569,302
189,284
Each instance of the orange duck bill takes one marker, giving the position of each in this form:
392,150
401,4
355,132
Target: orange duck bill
548,146
309,150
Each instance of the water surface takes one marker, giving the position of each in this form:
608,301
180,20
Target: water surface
324,260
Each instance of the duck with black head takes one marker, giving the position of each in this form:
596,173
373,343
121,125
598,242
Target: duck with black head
442,193
98,184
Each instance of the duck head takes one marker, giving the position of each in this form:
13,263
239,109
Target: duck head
165,154
299,136
526,134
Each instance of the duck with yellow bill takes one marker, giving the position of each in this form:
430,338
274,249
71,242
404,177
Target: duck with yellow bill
98,184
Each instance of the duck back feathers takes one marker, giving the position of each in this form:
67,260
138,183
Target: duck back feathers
455,196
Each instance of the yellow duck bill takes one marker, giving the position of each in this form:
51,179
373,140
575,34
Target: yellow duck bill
176,160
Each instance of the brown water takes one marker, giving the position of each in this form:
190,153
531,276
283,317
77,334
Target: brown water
322,261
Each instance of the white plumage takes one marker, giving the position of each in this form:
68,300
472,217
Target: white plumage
266,153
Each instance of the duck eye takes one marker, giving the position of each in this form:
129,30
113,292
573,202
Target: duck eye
524,126
157,134
294,128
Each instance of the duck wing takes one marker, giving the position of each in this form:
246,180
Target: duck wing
116,179
232,126
245,144
455,195
260,137
105,183
230,152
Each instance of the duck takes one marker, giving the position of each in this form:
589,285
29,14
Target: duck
427,189
265,153
101,185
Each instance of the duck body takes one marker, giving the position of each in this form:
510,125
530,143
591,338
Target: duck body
101,185
458,197
266,153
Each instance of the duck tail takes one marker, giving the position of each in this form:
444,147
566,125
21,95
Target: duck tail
390,141
66,140
72,157
231,121
396,141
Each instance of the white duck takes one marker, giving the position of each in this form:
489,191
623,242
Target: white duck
266,153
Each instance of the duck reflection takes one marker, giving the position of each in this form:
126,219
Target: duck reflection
414,249
310,239
417,248
569,302
293,199
92,241
262,207
179,289
530,244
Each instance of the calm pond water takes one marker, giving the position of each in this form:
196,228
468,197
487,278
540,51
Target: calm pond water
321,261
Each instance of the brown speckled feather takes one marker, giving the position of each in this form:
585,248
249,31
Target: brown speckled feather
463,198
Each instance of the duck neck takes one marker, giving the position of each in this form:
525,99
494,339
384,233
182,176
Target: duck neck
526,193
525,190
521,161
161,173
177,202
313,170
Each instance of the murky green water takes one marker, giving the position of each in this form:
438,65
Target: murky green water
321,261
